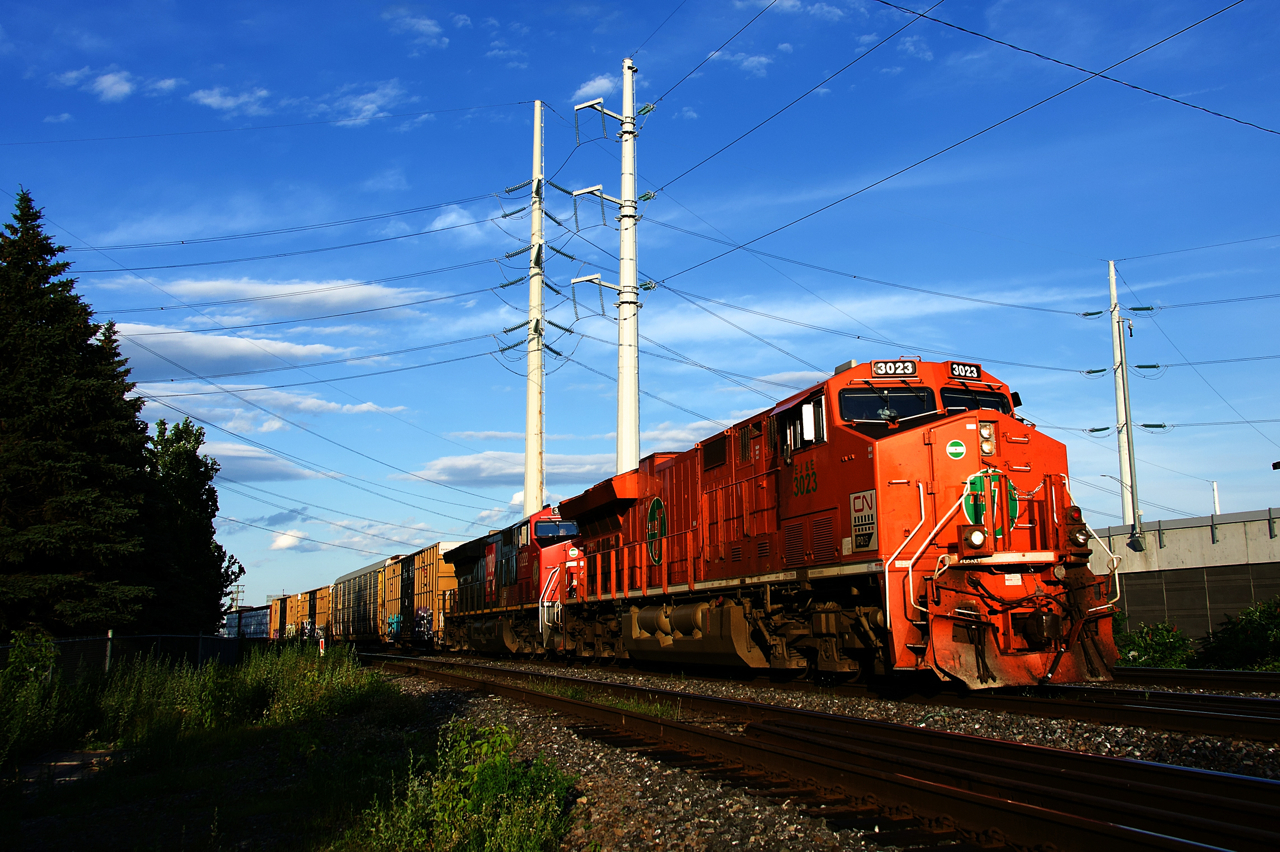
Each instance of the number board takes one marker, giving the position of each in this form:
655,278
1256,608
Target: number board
965,371
893,368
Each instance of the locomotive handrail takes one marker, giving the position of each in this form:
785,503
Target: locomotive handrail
1113,561
889,562
542,601
911,587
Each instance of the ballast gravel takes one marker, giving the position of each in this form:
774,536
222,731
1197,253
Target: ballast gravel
1221,754
628,801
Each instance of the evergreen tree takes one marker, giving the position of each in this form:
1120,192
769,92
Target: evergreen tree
191,571
72,447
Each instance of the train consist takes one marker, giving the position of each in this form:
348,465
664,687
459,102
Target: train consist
898,517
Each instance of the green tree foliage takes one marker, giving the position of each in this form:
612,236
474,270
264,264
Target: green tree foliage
1251,640
99,526
192,571
71,447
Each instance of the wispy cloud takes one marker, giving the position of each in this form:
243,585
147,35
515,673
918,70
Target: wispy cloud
498,468
165,86
824,12
293,540
687,112
61,118
113,86
424,30
251,464
461,21
915,46
248,102
755,65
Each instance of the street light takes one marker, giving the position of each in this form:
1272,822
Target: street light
1136,544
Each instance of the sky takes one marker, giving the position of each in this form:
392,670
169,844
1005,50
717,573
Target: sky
301,223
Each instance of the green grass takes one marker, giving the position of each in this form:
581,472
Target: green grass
286,751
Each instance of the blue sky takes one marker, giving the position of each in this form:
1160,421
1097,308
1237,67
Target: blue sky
148,131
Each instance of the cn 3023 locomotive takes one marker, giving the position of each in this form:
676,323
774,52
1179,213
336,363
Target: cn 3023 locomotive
898,517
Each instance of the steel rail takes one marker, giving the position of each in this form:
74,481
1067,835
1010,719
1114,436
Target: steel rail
1239,681
1027,792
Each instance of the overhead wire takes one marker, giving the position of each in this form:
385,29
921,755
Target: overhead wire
950,147
1198,248
1207,383
864,54
192,241
303,514
715,52
1076,67
660,26
277,356
298,537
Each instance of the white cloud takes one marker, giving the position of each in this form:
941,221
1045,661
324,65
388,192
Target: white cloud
498,468
488,436
676,436
358,108
688,112
113,86
756,65
915,46
897,69
869,38
61,118
249,102
500,50
293,540
161,87
596,87
251,464
388,180
461,21
824,12
71,78
424,30
5,44
785,48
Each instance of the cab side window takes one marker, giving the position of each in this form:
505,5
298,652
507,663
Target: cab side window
802,426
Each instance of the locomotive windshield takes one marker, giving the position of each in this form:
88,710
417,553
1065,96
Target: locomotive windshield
883,405
549,532
967,399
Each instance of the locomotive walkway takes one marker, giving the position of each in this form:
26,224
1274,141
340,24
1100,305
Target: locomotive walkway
917,788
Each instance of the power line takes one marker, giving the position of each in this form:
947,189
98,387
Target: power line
294,459
1077,67
296,253
1087,484
950,147
855,61
192,241
299,537
325,363
236,391
714,52
660,26
1198,248
843,274
310,504
300,513
688,411
1201,375
443,298
292,294
351,121
1212,302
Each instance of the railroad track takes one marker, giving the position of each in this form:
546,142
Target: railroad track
1201,679
1233,716
918,788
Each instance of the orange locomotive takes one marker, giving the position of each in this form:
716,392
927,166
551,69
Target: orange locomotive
897,517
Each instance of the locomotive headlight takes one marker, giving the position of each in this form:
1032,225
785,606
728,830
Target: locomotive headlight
1060,572
987,437
986,430
1079,537
976,538
987,446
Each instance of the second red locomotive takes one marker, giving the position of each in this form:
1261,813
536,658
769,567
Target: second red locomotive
897,517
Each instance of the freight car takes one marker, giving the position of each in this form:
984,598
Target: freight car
392,601
898,517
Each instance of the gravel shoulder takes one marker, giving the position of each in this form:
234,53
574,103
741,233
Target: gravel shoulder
1241,757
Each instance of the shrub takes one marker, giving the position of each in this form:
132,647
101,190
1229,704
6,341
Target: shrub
1160,645
1251,640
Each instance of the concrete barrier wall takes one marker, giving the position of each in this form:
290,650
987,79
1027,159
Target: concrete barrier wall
1195,572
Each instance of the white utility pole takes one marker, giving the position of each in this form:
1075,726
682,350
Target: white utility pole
1216,509
628,455
533,420
1124,421
628,291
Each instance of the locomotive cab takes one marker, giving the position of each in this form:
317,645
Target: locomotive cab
510,584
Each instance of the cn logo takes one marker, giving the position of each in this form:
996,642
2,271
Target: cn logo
864,502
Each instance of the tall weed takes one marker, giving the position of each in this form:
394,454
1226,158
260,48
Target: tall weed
1251,640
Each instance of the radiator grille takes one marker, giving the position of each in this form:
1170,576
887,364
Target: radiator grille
824,543
762,548
794,544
